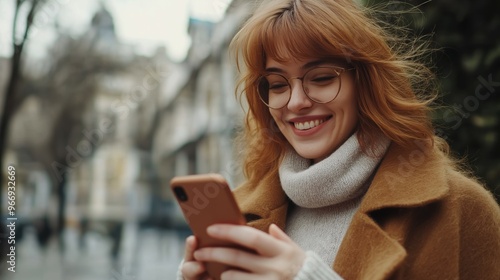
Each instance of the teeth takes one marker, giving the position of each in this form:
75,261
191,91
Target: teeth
307,125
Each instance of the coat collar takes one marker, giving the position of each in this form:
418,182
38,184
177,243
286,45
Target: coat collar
406,178
264,203
401,181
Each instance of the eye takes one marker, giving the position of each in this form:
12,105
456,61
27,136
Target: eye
276,83
278,87
323,78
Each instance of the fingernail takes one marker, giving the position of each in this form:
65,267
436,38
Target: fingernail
197,254
213,229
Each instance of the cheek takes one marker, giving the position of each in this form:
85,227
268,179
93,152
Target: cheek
351,114
349,104
352,109
277,117
347,110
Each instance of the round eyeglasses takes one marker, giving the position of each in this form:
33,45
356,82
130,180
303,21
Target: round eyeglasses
320,84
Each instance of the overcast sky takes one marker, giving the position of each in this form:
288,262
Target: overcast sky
145,24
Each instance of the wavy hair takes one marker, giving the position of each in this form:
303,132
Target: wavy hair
394,89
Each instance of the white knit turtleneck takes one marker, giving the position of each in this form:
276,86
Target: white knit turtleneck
325,196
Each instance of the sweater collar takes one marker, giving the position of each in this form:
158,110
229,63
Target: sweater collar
342,176
400,181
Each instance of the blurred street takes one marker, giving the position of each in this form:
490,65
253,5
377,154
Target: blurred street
144,254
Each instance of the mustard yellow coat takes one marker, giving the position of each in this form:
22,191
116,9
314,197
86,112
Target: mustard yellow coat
420,219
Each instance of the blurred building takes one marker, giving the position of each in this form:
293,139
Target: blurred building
114,184
201,114
81,136
103,130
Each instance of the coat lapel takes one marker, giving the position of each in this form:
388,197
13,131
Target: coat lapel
405,179
263,204
367,252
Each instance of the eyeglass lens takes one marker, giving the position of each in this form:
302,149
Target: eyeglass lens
321,84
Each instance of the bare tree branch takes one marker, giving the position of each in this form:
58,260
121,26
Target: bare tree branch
10,104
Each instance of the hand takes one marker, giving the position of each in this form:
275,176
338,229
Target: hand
276,257
192,269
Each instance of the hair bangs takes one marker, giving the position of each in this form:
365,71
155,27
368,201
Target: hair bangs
293,35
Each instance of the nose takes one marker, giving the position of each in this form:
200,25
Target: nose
298,99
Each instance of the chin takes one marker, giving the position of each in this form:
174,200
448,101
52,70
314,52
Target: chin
311,154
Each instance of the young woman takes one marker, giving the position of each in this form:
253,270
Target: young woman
345,177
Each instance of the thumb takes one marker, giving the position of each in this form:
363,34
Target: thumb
277,233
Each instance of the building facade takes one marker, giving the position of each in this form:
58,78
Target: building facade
200,112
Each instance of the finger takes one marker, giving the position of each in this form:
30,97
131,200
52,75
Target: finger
235,274
192,269
233,257
190,247
276,232
249,237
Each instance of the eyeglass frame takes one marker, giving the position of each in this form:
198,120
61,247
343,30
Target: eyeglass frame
339,71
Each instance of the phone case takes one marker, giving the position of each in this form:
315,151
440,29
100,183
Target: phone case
208,200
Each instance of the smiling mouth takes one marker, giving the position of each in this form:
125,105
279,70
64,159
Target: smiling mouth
310,124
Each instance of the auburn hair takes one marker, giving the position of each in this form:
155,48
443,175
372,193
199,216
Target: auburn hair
394,89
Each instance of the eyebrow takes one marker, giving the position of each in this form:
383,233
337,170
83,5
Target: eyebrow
303,67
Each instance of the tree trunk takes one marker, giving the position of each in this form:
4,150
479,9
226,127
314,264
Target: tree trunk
10,102
7,112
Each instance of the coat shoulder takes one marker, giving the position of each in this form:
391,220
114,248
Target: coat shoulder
479,225
469,194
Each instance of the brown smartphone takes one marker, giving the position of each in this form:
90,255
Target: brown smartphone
206,199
